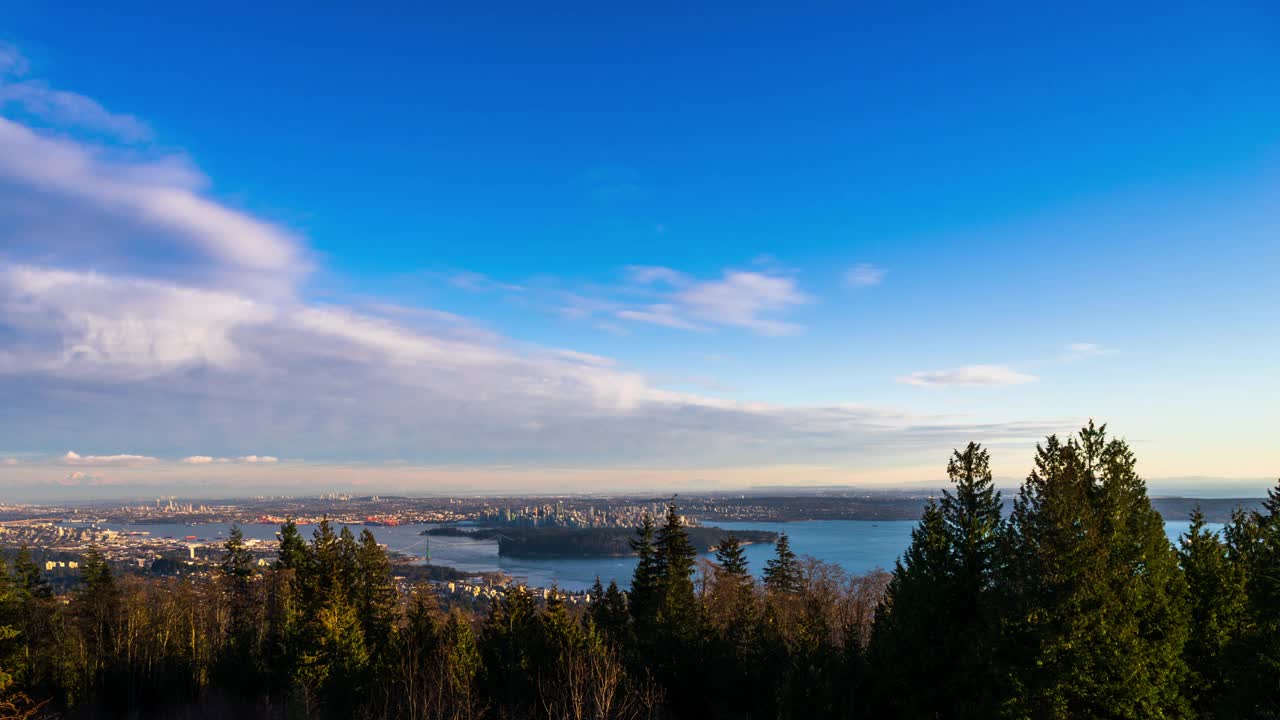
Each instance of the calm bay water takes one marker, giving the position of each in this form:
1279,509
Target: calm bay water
856,545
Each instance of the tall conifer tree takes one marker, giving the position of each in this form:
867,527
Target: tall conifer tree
27,576
375,592
675,556
782,572
646,581
936,636
1217,613
1254,657
1096,605
731,559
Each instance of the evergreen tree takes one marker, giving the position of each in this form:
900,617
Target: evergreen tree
905,640
508,643
675,560
27,575
971,513
464,664
13,662
293,549
1254,657
646,581
1096,613
39,619
935,638
376,596
609,614
348,564
782,572
672,650
733,632
558,631
286,602
332,661
283,634
324,577
336,659
1216,615
237,561
731,559
98,601
730,604
240,661
10,632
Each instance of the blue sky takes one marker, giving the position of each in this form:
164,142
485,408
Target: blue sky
576,247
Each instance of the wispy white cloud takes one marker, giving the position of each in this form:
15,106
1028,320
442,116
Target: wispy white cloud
77,477
661,314
209,459
743,299
481,283
1084,351
74,458
264,459
738,299
647,274
584,358
36,99
864,275
63,108
12,62
968,375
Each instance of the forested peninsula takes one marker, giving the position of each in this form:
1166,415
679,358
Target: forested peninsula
554,542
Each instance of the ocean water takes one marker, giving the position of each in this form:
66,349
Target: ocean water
856,545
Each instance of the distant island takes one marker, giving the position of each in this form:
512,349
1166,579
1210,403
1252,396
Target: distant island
587,542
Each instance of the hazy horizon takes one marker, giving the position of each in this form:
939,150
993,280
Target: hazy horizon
1207,488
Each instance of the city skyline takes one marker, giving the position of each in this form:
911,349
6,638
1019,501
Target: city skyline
613,251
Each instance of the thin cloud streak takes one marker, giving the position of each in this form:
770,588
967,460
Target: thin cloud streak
980,375
739,299
864,275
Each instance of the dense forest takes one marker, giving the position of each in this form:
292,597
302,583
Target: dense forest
1072,605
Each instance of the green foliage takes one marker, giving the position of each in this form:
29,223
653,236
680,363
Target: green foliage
675,563
646,581
375,592
1216,613
609,614
731,559
907,643
240,660
782,572
237,560
1096,615
27,576
292,553
463,664
511,639
1253,656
